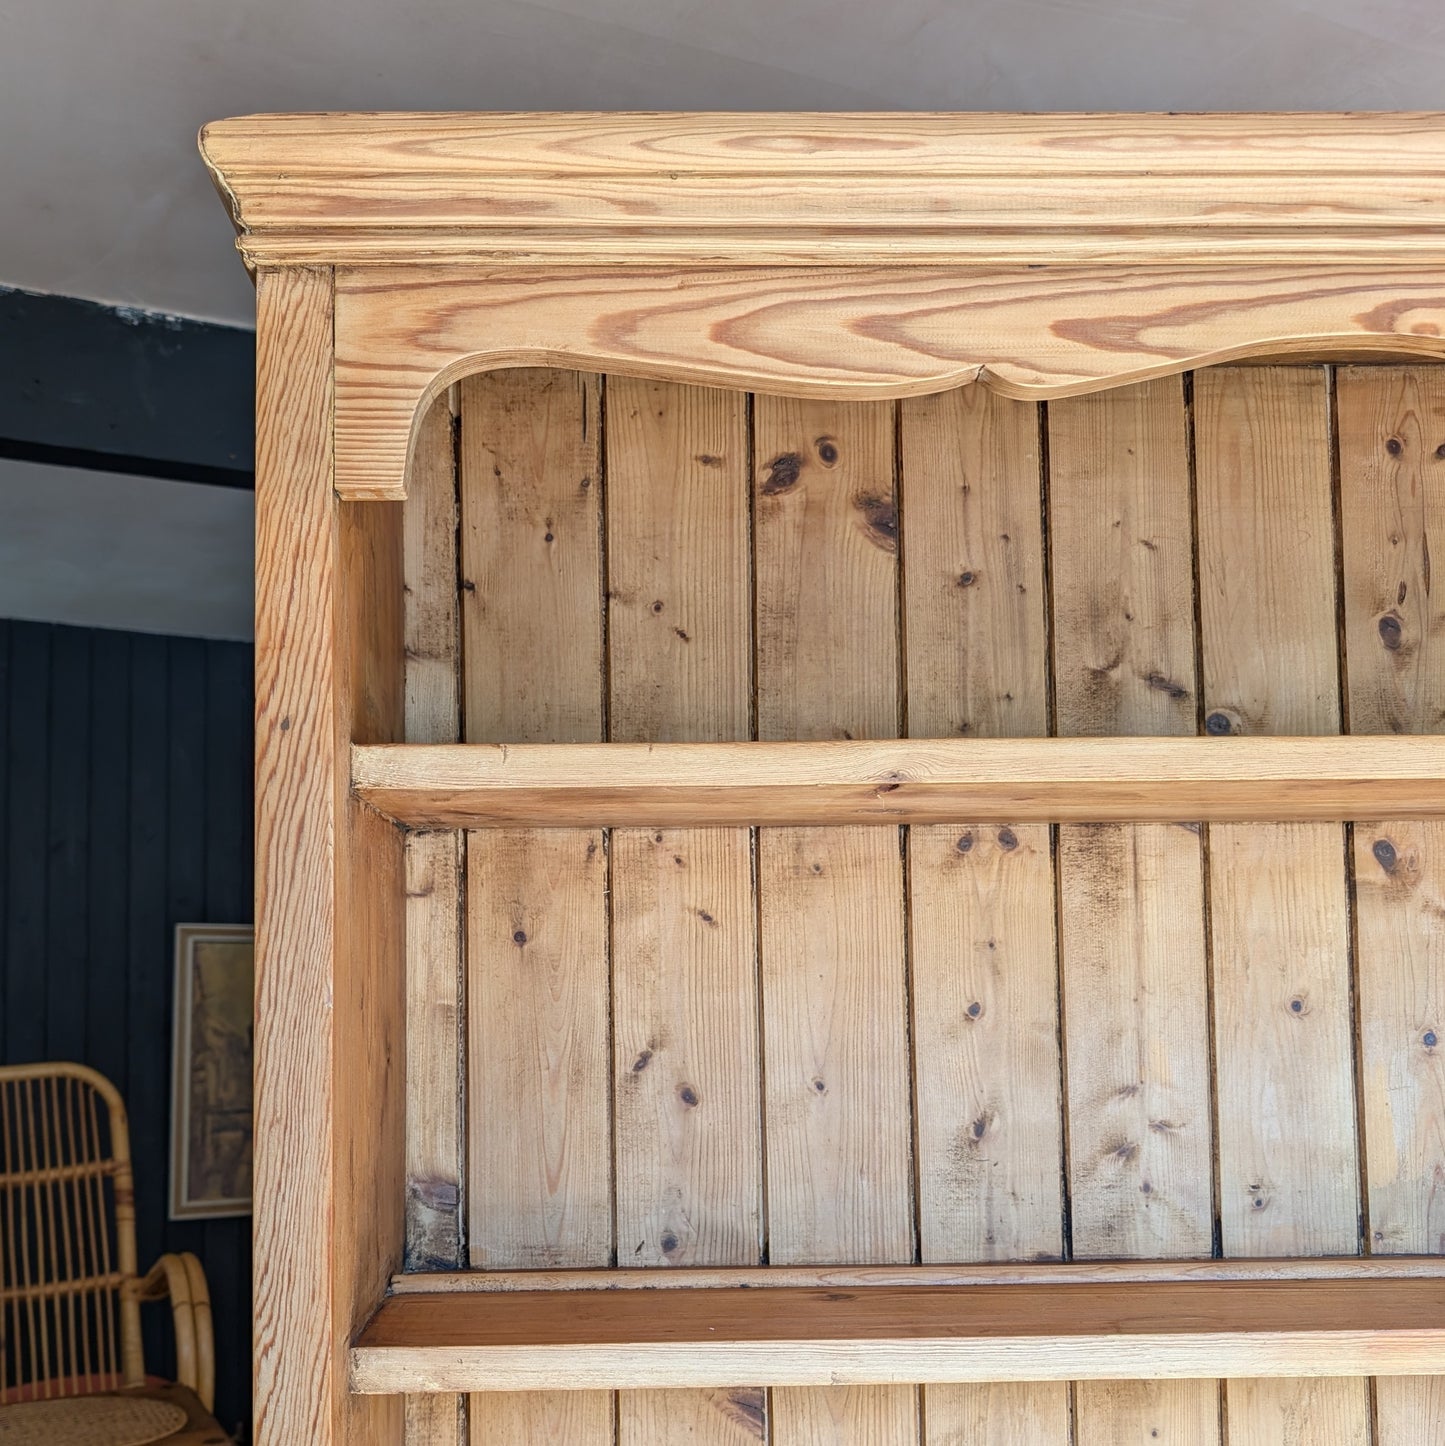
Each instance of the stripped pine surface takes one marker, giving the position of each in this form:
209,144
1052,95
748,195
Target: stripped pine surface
837,1104
1288,1148
981,898
540,1156
807,1048
1131,896
686,1085
1392,509
435,1007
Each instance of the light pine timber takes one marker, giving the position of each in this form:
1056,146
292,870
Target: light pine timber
434,1006
540,1157
330,999
508,188
981,898
1131,900
874,332
784,1336
892,781
837,1108
1288,1161
845,1277
686,1084
1391,429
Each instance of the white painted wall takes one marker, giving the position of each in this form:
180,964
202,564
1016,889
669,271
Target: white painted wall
100,100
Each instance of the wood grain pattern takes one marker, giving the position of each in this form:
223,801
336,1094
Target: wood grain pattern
1392,510
686,1084
853,333
981,899
724,1416
1300,1413
826,511
539,1168
900,781
435,1005
1176,1412
540,1163
1288,1164
974,582
837,1072
330,1000
434,1008
986,1024
1131,902
836,1089
785,1336
693,188
1391,422
679,604
852,1277
530,557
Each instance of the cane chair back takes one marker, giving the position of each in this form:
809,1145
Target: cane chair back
69,1304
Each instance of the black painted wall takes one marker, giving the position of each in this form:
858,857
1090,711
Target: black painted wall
125,808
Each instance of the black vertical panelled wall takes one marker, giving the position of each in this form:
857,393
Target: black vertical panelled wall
125,809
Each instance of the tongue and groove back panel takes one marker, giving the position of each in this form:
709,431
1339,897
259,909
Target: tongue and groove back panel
945,1043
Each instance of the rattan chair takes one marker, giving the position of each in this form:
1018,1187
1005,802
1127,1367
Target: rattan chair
71,1362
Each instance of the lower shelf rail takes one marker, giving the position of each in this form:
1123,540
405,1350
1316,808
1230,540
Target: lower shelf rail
586,1330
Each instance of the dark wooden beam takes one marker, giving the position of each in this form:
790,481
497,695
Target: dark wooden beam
121,390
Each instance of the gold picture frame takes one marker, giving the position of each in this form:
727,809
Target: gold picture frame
211,1067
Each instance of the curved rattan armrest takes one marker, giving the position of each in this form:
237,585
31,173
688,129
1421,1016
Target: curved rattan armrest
181,1279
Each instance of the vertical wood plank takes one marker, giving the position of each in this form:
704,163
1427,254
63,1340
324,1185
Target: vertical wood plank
330,999
728,1417
845,1415
1323,1411
1392,515
679,623
1392,506
1000,1413
685,1002
1120,1413
826,512
973,577
1131,897
434,1007
531,589
1288,1181
538,1098
981,899
836,1085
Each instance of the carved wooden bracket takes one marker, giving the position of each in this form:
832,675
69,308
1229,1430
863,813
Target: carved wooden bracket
834,255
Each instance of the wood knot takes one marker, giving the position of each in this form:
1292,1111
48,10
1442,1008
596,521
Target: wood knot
1385,855
827,451
975,1009
1220,724
519,937
1392,631
1007,840
880,520
783,473
965,843
1394,446
688,1096
967,578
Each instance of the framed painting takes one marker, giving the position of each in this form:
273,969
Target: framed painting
211,1121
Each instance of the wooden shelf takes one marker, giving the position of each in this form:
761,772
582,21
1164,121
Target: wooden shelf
904,781
1109,1325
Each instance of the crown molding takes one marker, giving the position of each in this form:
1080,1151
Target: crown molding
719,190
